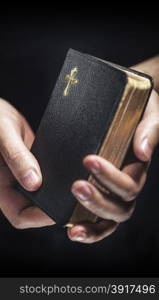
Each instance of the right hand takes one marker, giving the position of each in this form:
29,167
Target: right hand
126,184
18,163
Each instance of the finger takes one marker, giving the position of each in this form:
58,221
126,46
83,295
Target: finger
137,171
28,135
19,159
91,233
113,179
147,134
102,205
20,212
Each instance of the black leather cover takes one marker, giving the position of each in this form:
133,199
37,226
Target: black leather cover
72,127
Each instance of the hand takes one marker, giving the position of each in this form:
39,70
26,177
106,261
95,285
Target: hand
126,183
17,162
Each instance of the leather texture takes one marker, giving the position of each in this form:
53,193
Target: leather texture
72,127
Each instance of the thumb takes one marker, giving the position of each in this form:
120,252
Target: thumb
147,134
17,156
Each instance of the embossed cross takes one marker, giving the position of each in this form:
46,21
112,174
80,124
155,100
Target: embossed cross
71,80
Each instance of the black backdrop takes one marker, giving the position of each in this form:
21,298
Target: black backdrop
32,50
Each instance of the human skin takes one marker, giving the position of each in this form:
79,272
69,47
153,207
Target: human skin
17,163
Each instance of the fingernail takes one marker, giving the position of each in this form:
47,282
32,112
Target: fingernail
95,167
146,148
80,236
30,180
82,192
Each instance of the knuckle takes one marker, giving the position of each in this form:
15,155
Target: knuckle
127,213
132,193
15,156
130,211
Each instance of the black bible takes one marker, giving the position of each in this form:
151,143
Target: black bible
94,109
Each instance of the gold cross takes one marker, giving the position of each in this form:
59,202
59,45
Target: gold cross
71,80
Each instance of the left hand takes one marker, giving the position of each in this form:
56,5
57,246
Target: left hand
126,183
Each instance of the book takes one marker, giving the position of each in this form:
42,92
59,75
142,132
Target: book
94,108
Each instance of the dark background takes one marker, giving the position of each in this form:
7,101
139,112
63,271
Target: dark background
32,50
